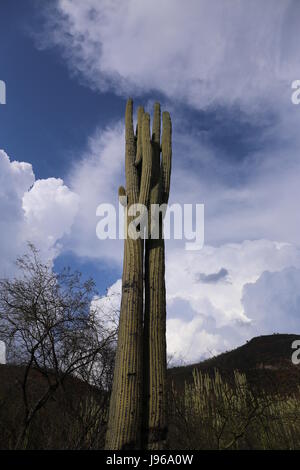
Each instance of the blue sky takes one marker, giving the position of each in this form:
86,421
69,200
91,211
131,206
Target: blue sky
225,75
49,115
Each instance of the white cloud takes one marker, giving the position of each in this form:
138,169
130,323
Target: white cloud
273,301
244,262
50,208
203,52
189,341
40,211
108,306
245,197
15,179
206,319
96,178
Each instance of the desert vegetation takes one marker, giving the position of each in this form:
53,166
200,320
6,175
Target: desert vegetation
60,355
213,413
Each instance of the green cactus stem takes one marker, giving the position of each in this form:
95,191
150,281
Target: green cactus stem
137,415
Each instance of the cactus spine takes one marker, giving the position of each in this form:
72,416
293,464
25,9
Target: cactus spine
137,415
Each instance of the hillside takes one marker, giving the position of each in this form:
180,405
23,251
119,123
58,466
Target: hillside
266,361
76,416
63,423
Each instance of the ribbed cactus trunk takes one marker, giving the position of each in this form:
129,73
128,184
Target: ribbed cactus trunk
155,361
137,416
125,405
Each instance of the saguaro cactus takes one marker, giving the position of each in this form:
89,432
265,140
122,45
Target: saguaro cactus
137,415
154,412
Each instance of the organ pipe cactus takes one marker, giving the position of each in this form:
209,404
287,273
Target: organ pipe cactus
137,416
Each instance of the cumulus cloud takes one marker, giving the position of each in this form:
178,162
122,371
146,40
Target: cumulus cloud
108,305
273,301
193,342
245,196
212,316
245,261
15,179
40,211
209,52
204,319
96,178
50,208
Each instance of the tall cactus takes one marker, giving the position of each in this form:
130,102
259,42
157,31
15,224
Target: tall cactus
154,413
138,395
125,404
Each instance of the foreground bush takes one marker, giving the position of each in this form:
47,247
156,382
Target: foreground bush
216,414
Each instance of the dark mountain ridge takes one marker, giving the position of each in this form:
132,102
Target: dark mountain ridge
266,361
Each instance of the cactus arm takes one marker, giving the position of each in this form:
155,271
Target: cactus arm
147,162
139,127
132,178
156,124
166,157
155,195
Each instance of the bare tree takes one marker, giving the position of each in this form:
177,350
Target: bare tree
49,327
